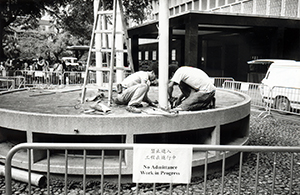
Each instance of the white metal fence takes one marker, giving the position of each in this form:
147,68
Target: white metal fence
285,100
11,82
38,78
27,78
35,78
251,89
219,81
285,167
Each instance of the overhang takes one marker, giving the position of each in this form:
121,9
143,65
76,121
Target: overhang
212,22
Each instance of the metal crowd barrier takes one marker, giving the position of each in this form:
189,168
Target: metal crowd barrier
275,167
12,82
251,89
285,100
36,78
219,81
7,84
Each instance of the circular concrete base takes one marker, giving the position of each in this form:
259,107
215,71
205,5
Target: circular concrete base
55,116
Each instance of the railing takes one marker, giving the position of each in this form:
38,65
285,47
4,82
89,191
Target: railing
219,81
251,89
285,100
11,82
278,165
38,78
48,78
282,99
27,78
35,78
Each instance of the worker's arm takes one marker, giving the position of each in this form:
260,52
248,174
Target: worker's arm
170,88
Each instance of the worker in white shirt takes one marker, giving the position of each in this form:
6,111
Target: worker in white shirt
134,90
197,89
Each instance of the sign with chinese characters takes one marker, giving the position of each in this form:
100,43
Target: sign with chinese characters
157,163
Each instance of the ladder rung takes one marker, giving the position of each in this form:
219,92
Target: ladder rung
105,12
94,68
121,50
107,69
108,31
109,50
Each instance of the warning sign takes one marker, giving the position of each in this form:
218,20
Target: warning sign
162,163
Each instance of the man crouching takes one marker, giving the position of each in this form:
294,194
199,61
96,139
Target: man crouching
196,87
134,90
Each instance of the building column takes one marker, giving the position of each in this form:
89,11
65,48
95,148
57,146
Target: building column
297,49
204,54
223,59
277,44
135,52
243,57
199,54
170,44
191,44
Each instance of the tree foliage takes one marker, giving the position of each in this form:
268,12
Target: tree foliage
77,18
30,9
72,16
50,46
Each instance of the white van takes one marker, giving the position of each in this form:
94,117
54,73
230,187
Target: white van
281,85
70,61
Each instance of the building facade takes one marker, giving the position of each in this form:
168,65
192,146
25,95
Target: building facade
221,36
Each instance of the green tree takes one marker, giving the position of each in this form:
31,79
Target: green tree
33,9
73,16
77,18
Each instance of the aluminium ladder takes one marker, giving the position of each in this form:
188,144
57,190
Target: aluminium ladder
107,53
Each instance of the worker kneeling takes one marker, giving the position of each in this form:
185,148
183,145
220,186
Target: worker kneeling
134,90
198,91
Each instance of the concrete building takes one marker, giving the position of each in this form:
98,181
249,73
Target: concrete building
220,36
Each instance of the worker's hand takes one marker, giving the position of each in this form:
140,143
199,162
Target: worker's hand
177,102
172,100
153,104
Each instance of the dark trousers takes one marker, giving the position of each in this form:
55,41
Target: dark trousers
195,100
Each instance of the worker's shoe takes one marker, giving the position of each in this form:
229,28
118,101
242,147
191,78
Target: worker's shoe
137,105
133,109
212,103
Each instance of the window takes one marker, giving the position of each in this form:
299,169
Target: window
173,55
154,55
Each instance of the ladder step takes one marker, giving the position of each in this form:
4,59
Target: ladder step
108,32
107,69
109,50
106,12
